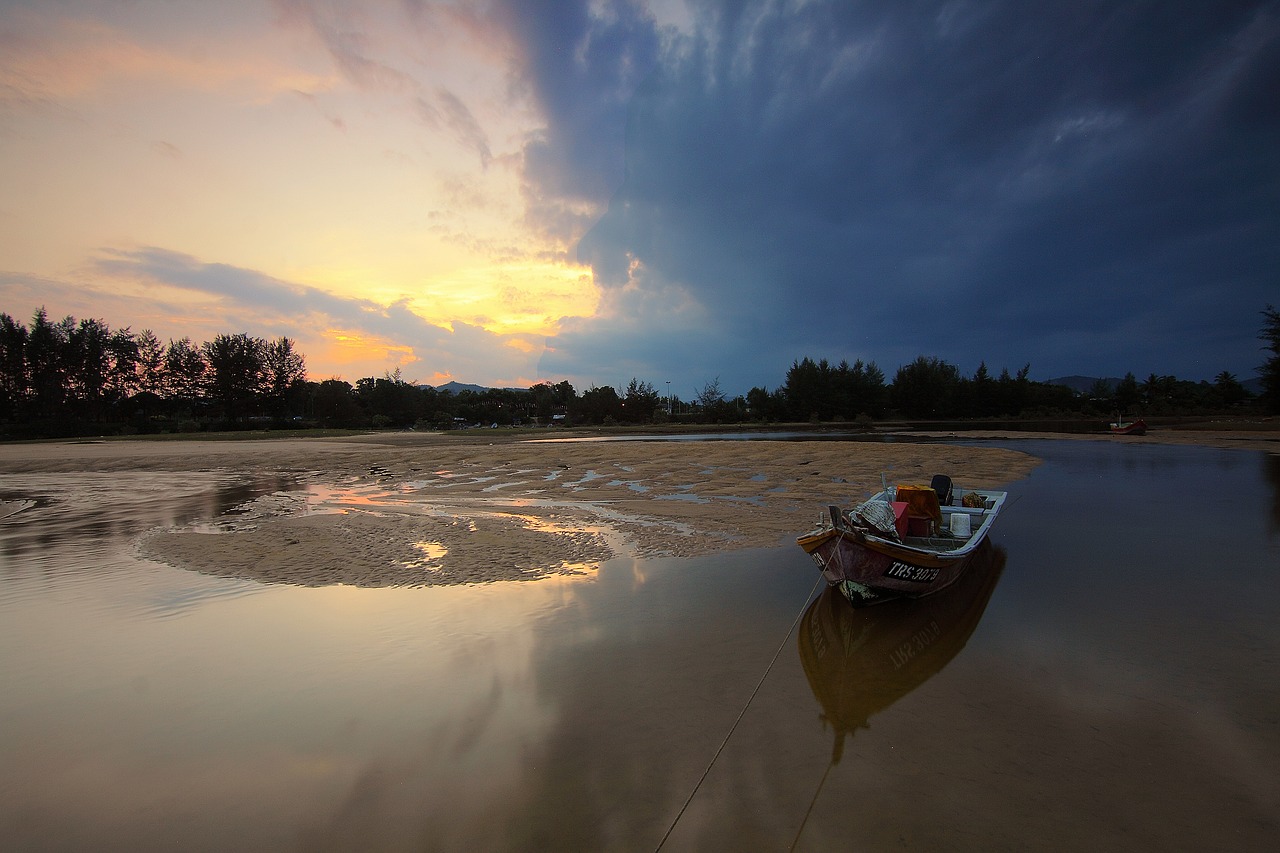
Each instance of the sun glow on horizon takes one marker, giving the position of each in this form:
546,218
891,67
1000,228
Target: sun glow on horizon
516,305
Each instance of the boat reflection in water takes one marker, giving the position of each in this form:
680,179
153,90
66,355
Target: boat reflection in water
860,661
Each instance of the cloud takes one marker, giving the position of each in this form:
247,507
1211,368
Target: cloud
59,59
269,307
438,63
445,109
582,64
1004,182
346,33
166,149
634,328
1088,187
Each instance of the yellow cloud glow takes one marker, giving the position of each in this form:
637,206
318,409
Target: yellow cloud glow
348,353
529,298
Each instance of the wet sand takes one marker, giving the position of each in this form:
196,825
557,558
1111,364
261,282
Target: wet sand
422,509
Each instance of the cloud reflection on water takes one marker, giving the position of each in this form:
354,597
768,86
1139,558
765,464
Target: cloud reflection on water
577,713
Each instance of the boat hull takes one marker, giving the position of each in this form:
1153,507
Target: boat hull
868,571
1136,428
898,544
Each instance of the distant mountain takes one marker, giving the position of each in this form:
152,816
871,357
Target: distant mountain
1081,384
459,387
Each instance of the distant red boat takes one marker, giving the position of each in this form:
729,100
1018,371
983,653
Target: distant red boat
1138,427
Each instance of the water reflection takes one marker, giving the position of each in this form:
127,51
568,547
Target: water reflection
1271,473
76,519
859,661
84,527
580,713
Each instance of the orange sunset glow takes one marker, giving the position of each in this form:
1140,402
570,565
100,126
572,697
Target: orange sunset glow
163,165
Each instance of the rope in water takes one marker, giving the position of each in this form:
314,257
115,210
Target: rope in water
812,802
741,714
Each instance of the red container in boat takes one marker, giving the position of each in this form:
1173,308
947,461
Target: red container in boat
900,517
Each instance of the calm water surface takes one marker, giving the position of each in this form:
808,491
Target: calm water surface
1107,681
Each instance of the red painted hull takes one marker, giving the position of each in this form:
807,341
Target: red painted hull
869,571
1138,427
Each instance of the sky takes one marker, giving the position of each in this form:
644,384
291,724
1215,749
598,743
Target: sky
502,192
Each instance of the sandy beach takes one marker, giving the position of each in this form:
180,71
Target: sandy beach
422,509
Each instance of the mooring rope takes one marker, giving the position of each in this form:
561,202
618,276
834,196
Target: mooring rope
741,714
812,802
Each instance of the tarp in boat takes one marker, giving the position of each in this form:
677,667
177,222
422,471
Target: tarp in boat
921,501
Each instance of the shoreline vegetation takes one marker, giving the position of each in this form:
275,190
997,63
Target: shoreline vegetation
418,509
70,378
1189,429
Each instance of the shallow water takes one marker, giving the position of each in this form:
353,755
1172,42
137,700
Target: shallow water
1110,682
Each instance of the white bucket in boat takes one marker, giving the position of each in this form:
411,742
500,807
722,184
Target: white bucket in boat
960,525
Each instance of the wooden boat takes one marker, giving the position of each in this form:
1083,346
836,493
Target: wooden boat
905,542
1138,427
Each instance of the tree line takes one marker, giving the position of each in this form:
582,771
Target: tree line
69,377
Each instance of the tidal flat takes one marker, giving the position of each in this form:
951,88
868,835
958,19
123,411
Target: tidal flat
414,642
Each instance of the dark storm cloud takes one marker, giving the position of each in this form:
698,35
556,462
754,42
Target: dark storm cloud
582,68
1088,187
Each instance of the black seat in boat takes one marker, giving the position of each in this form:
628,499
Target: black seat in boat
941,484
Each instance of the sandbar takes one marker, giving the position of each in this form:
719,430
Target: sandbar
420,509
